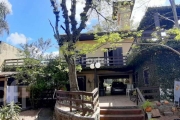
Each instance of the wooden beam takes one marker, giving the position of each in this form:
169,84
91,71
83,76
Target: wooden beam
3,79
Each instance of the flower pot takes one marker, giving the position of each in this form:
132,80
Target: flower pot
149,114
148,109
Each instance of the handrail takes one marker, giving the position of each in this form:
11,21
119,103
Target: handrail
79,100
150,93
139,97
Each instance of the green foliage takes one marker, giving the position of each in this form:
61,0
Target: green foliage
163,66
3,13
175,32
32,55
113,40
52,77
146,104
10,112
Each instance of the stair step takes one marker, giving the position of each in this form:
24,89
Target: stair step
122,117
120,111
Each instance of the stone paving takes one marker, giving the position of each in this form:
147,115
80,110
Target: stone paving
45,114
28,115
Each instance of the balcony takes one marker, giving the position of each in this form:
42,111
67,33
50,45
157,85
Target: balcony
85,62
105,61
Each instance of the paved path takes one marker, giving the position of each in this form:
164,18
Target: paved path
115,100
28,115
45,114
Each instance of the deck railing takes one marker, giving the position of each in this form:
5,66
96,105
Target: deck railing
151,93
105,61
83,61
139,97
85,102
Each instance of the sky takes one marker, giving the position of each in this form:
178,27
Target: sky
29,20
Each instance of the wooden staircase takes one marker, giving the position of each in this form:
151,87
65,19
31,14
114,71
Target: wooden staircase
121,114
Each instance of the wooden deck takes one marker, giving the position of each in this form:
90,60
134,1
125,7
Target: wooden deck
115,101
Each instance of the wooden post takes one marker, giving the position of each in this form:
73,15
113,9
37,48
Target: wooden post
136,97
70,102
82,103
174,13
156,20
5,91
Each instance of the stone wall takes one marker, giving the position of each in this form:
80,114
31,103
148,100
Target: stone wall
63,114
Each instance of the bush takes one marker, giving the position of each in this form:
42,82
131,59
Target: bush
10,112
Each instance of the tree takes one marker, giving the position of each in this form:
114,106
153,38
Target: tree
72,34
32,55
3,13
73,29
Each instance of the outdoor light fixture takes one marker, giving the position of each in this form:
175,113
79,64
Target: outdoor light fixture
94,66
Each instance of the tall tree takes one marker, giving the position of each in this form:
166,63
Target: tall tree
3,13
72,30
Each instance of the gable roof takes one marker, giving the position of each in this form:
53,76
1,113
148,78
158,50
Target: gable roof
147,23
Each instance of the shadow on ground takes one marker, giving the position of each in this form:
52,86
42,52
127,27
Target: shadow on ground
45,114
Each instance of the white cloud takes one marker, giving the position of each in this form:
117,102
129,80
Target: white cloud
18,38
79,7
106,10
8,4
157,2
53,54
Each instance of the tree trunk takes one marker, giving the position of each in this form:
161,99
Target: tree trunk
72,74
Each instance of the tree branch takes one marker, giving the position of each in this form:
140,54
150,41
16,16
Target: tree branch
166,18
56,13
52,27
101,15
84,19
73,14
65,15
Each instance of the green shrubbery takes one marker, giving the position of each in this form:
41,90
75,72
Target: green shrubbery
10,112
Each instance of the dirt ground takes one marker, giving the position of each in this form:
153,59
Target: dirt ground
29,114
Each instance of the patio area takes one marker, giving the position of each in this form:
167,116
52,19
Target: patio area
115,101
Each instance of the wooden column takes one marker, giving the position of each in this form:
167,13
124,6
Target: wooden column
5,91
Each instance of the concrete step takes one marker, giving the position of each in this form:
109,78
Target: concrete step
122,117
120,111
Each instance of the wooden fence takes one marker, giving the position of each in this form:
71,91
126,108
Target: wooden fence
85,102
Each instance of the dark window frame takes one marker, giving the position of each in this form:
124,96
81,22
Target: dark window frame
146,75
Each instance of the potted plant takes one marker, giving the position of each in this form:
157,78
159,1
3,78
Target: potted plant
147,106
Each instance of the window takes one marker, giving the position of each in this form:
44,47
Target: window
114,57
146,76
136,77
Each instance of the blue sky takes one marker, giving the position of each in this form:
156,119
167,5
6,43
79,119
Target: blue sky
29,20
